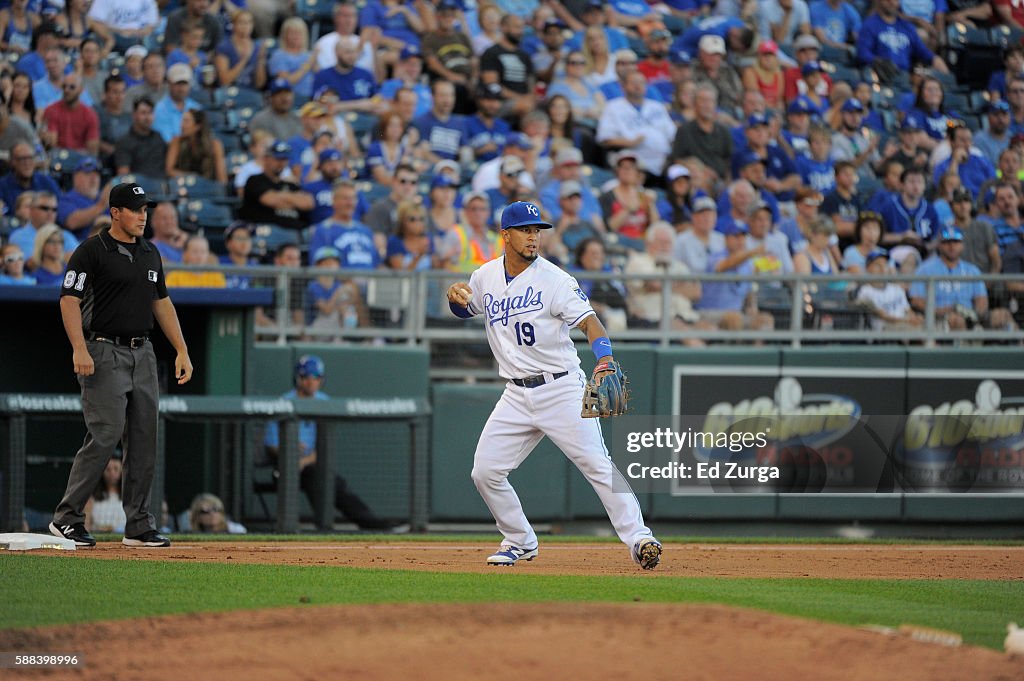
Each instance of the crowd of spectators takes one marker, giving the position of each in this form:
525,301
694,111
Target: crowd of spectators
753,137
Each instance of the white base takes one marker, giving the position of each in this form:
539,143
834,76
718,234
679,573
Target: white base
23,541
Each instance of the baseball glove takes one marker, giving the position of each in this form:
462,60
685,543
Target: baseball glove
606,393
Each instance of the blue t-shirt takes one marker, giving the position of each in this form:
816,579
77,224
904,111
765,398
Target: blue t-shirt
68,204
32,65
617,40
167,252
480,135
27,280
395,26
725,295
840,24
356,84
898,42
247,77
923,9
375,157
424,97
819,175
973,172
778,166
397,247
285,62
716,25
354,243
949,293
445,137
935,123
900,219
631,8
725,204
323,198
307,429
47,278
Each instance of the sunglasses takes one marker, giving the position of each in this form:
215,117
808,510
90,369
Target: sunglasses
415,218
406,180
13,258
46,208
206,509
576,62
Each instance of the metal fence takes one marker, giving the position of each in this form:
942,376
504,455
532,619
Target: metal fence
409,307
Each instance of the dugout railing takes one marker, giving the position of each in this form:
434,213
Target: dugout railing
237,448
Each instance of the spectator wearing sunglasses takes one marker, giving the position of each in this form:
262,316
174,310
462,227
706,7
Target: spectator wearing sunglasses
23,176
206,515
12,272
42,213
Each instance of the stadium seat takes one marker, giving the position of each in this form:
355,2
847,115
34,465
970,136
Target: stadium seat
155,188
238,119
962,35
598,176
239,97
847,74
195,187
837,56
232,142
979,101
1004,36
318,15
235,160
205,214
204,97
63,162
267,238
957,103
217,118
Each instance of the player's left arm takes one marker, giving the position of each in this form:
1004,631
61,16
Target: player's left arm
167,317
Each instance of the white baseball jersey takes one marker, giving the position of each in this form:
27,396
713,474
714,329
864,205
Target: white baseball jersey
528,319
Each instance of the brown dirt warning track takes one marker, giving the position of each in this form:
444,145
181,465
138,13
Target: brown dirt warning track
575,641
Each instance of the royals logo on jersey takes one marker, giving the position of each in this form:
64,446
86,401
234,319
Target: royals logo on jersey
500,309
581,294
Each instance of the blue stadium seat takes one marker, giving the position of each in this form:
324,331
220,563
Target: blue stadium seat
232,142
957,103
155,188
235,160
63,161
1004,36
318,14
598,176
205,98
239,118
267,238
979,101
962,35
373,191
239,97
837,55
205,214
195,187
848,74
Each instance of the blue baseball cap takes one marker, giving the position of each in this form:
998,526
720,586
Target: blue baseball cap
951,234
810,67
280,150
520,140
448,5
750,156
756,119
522,214
410,51
853,104
441,181
875,255
733,227
310,366
325,252
1000,105
680,57
280,85
87,164
910,124
329,154
801,105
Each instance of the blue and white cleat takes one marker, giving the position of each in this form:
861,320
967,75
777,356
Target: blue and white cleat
508,555
647,553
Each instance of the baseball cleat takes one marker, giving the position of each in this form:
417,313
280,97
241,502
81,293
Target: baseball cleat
508,555
149,538
76,533
647,553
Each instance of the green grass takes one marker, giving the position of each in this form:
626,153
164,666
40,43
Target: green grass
43,590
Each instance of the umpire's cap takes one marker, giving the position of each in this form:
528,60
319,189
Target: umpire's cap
522,214
129,195
309,366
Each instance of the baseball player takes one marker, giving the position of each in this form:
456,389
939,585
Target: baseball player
530,305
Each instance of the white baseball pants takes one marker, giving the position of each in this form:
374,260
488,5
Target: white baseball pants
522,417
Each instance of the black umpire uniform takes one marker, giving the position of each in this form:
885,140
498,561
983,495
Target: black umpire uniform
112,289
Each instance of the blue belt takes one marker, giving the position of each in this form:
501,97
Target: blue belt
535,381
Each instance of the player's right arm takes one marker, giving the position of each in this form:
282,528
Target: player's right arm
76,279
459,297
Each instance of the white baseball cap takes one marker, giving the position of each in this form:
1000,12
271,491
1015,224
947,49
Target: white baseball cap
712,44
676,171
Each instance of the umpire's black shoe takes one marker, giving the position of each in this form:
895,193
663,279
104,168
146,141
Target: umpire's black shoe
76,533
150,538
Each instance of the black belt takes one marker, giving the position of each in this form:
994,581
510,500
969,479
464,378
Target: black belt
535,381
134,342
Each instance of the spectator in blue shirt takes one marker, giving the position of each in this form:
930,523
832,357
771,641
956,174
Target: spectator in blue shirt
928,17
24,177
1008,224
172,106
345,86
732,305
909,218
238,244
240,61
79,208
443,133
330,166
929,111
733,30
44,38
960,304
993,140
997,82
836,23
965,160
397,23
12,267
887,42
487,134
816,168
752,168
408,73
593,15
352,239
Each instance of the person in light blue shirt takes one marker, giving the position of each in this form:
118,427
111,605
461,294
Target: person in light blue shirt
835,22
961,304
352,239
593,15
12,267
168,111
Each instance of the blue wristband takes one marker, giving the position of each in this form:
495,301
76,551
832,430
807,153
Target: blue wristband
601,347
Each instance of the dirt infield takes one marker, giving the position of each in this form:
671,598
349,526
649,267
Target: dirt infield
680,560
592,642
586,641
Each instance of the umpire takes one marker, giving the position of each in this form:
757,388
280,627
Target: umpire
112,290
